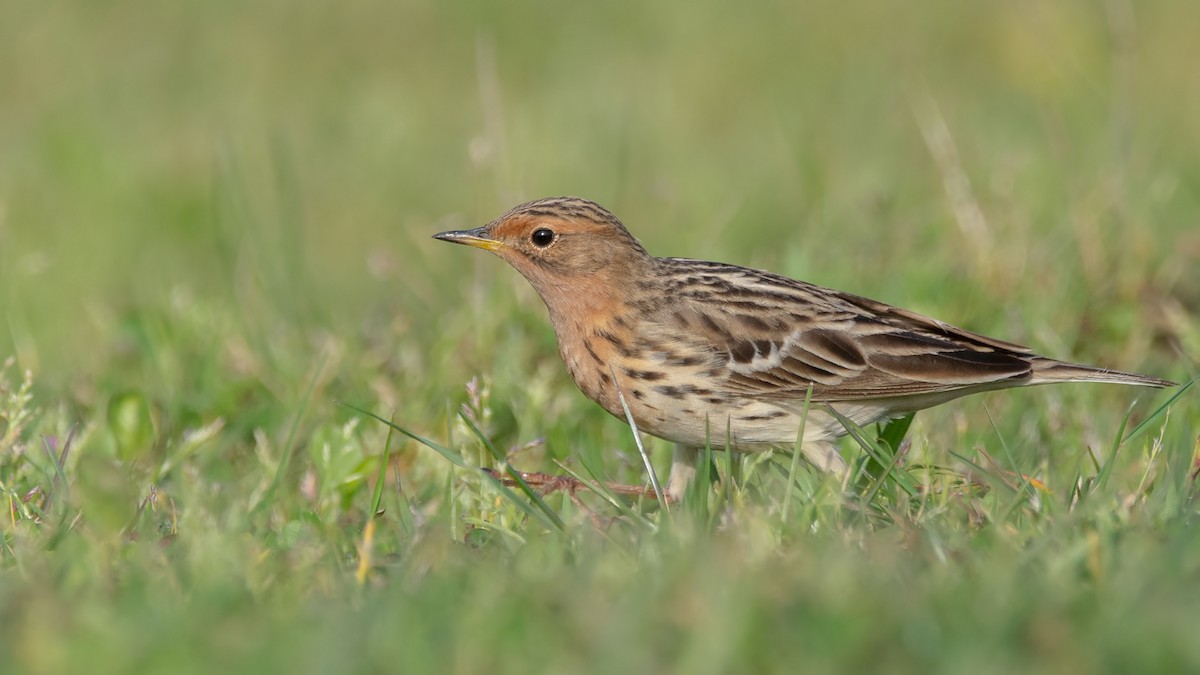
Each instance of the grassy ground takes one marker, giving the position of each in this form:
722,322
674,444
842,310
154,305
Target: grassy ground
214,231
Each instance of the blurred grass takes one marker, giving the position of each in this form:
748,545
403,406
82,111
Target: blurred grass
214,224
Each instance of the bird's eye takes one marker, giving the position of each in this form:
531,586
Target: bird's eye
542,237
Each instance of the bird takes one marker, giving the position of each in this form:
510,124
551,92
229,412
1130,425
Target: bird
708,354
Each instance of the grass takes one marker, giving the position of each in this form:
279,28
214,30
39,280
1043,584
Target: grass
217,282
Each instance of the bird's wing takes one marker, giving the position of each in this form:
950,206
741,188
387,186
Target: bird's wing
861,360
772,337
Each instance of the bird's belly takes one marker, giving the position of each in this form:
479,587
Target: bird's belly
747,425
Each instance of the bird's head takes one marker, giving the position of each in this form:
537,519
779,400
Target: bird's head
562,245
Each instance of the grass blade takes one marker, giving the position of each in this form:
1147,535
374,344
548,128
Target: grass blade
876,453
289,444
449,454
1158,413
515,476
637,439
796,452
381,477
551,519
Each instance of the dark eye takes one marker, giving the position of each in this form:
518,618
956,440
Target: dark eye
542,237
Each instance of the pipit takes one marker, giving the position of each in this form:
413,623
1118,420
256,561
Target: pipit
710,353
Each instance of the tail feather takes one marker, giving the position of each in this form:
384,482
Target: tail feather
1046,371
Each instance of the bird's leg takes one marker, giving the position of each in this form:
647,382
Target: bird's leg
824,455
683,471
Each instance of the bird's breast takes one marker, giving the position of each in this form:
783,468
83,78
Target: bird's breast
670,387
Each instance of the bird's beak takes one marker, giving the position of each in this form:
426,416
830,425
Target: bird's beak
477,237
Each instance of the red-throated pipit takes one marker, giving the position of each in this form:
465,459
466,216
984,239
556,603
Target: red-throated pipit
703,352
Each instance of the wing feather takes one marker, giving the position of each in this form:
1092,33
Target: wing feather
844,346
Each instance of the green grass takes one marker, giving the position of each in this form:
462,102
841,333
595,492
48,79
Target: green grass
215,254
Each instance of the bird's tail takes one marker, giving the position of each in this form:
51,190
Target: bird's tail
1046,371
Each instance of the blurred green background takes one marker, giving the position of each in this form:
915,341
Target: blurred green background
215,224
292,158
